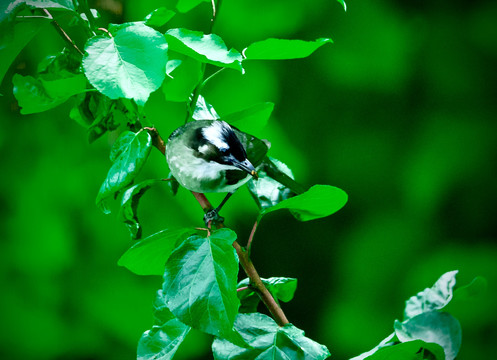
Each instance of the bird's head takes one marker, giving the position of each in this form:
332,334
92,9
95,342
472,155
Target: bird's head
218,142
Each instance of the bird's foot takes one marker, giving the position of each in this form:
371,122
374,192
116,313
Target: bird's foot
212,217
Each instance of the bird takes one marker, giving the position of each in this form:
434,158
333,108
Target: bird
210,156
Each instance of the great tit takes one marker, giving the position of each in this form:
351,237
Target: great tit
207,156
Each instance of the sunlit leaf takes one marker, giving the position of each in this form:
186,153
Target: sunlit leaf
268,340
280,287
282,49
434,298
36,94
186,5
343,4
252,119
149,256
128,154
159,17
204,48
167,334
117,67
317,202
200,282
204,110
129,207
433,327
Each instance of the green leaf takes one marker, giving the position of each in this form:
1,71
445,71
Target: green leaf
117,67
204,110
412,350
37,95
14,39
129,207
252,119
128,154
200,282
183,79
66,62
186,5
434,298
280,287
317,202
434,327
282,49
387,342
473,290
51,4
149,256
343,4
159,17
204,48
267,340
268,192
167,334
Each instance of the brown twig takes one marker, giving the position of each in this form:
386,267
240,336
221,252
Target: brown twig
61,31
251,237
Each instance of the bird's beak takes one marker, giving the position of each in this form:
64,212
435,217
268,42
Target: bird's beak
248,167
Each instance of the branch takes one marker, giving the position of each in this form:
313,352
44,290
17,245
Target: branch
243,255
61,31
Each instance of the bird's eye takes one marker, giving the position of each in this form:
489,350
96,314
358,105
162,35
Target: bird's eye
224,151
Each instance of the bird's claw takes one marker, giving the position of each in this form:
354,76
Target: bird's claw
212,217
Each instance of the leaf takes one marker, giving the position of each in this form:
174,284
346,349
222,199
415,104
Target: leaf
412,350
204,110
434,298
186,5
149,256
268,192
252,119
66,62
159,17
14,39
118,67
128,154
129,207
267,340
343,4
163,340
183,79
204,48
317,202
433,327
282,49
387,342
51,4
280,287
200,282
37,95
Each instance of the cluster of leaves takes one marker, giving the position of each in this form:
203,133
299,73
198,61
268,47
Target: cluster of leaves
428,330
109,82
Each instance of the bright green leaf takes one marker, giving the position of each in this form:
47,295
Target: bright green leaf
129,207
149,256
204,110
186,5
183,79
268,340
317,202
268,192
412,350
434,298
37,95
343,4
280,287
200,282
128,154
159,17
252,119
167,334
117,67
282,49
387,342
204,48
433,327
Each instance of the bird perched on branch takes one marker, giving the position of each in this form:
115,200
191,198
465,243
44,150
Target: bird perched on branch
211,156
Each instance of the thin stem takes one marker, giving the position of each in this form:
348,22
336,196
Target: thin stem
61,31
251,237
243,288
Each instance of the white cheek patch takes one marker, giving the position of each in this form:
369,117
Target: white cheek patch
214,134
203,149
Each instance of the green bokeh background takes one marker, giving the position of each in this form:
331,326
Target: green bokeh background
400,112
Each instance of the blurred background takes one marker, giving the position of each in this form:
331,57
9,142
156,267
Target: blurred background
400,112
